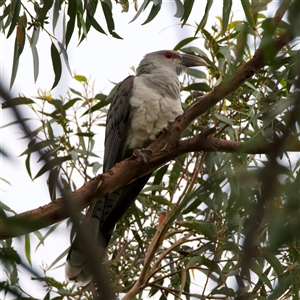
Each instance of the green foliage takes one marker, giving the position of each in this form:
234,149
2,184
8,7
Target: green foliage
203,205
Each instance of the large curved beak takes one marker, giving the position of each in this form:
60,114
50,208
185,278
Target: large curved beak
191,60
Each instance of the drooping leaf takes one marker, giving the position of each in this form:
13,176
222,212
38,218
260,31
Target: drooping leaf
109,20
56,12
35,57
184,42
59,258
188,5
19,46
94,23
227,4
205,17
179,9
154,11
52,181
27,165
27,248
200,86
38,146
258,5
207,229
143,6
248,13
257,269
17,101
56,63
51,164
72,7
65,56
14,11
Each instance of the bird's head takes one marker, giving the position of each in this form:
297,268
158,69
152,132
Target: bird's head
169,59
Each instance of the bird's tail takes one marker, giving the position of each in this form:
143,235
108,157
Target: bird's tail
99,223
77,265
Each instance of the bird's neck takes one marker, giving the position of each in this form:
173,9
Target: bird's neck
164,81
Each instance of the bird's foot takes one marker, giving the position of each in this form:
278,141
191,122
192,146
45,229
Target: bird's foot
139,152
166,130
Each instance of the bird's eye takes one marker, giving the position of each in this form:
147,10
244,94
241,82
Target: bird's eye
168,54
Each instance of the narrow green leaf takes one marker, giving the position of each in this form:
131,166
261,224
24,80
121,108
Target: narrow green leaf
159,174
65,56
212,41
38,146
96,167
193,50
70,103
51,164
223,119
27,165
59,258
6,14
56,63
15,11
35,58
7,208
196,73
175,172
143,6
200,86
17,101
154,11
101,97
88,134
223,291
207,229
179,9
184,42
56,12
52,182
96,107
109,20
50,130
160,200
27,248
205,17
258,5
257,269
188,5
43,238
15,63
94,23
75,92
274,262
247,10
1,151
227,4
72,7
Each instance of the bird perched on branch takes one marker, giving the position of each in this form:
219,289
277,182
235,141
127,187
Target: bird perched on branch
143,106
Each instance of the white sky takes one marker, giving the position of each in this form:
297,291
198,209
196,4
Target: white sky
101,58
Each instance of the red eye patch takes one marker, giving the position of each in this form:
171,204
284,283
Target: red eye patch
172,55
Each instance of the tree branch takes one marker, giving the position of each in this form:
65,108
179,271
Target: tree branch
165,148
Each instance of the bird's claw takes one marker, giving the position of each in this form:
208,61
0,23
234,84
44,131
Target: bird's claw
166,129
139,152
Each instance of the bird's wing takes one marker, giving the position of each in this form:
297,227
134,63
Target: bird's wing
116,127
117,124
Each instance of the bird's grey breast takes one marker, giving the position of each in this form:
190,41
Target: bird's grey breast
155,103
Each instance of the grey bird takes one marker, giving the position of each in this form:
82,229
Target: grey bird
143,106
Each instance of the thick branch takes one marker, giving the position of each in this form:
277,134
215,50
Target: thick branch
164,149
